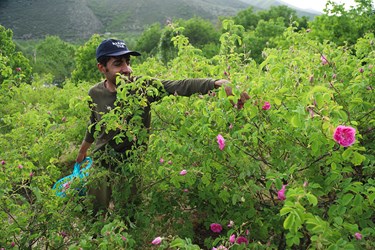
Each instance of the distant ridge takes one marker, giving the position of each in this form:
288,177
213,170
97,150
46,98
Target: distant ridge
79,19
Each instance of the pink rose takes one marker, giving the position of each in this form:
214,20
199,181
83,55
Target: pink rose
20,166
216,228
232,238
266,106
324,60
157,241
241,240
161,160
221,247
66,185
345,136
358,236
221,141
231,223
3,162
281,193
183,172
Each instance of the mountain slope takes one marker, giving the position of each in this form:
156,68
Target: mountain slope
79,19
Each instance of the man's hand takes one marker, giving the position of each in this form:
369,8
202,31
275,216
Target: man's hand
80,157
82,153
228,90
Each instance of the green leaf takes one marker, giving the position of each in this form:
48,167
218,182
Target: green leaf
312,199
346,199
357,158
296,121
285,210
177,243
289,221
347,153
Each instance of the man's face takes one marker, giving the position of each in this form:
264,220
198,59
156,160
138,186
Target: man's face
115,65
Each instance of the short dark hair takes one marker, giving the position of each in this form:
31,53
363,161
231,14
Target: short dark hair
103,60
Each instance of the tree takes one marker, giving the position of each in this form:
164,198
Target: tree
342,26
85,61
148,42
56,57
259,39
14,66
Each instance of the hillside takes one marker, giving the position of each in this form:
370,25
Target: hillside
79,19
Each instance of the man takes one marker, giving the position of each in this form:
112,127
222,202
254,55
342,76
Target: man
113,58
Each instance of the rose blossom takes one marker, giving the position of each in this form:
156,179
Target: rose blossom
358,236
345,136
161,160
221,141
266,106
221,247
183,172
241,240
281,193
216,228
324,60
231,223
232,238
157,241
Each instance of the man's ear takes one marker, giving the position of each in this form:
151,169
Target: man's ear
101,68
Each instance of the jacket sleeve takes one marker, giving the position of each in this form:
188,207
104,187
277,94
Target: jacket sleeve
188,87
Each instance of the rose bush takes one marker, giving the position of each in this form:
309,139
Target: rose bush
275,172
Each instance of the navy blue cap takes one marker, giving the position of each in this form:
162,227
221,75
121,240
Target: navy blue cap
113,47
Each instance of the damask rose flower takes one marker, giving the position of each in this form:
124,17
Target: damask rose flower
183,172
242,240
324,60
231,223
281,193
358,236
216,227
345,136
157,241
221,141
266,106
232,238
3,162
161,160
221,247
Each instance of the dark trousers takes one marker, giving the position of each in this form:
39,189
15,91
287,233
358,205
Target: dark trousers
119,184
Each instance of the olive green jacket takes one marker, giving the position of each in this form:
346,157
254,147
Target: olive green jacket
102,101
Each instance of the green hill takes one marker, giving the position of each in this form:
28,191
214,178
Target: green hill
79,19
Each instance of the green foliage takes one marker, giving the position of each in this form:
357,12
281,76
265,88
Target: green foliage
85,61
149,39
14,66
330,189
56,57
344,26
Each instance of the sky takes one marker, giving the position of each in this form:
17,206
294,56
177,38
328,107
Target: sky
317,5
